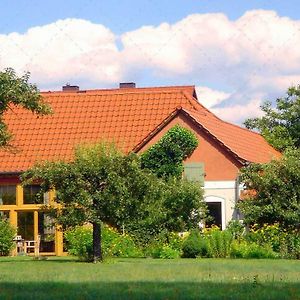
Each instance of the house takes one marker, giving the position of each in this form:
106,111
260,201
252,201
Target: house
134,118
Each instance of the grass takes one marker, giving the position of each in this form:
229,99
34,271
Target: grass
65,278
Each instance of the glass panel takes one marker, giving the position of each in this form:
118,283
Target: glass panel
215,211
7,194
47,233
25,225
32,194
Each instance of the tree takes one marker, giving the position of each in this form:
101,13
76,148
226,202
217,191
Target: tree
275,192
18,91
165,158
280,126
103,185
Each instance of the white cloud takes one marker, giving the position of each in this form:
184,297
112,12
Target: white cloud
254,57
239,113
63,50
209,97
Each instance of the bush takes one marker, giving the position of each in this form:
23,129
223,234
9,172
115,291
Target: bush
80,243
7,234
195,245
292,245
219,242
116,245
282,241
165,245
236,228
251,250
157,250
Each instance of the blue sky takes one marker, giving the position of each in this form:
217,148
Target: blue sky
237,53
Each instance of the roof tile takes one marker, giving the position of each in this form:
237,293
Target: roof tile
125,116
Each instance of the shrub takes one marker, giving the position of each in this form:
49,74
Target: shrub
116,245
195,245
251,250
7,234
165,245
156,250
236,228
283,241
80,243
219,242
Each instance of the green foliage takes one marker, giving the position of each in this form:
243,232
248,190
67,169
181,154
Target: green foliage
251,250
285,243
195,245
103,185
219,242
280,126
18,91
80,243
277,192
236,228
166,245
166,157
167,252
7,234
178,206
118,245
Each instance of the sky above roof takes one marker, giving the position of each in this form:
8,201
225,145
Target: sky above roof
236,53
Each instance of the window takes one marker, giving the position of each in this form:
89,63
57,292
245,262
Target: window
46,231
194,172
32,194
7,195
26,225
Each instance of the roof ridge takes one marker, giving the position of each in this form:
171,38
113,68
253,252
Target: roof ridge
125,90
58,94
214,115
216,137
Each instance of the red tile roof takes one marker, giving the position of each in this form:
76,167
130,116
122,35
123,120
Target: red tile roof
126,116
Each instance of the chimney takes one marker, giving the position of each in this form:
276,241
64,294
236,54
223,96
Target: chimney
127,85
70,88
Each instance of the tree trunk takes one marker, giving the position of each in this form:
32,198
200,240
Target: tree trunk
97,250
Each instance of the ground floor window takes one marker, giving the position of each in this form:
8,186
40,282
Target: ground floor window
46,231
26,225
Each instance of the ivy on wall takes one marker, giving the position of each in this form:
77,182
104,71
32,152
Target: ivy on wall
166,157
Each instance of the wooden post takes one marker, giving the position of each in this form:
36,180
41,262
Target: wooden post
19,192
59,249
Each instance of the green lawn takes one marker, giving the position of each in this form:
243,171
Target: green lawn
64,278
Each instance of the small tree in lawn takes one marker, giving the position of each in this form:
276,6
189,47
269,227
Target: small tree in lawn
276,192
100,185
18,91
